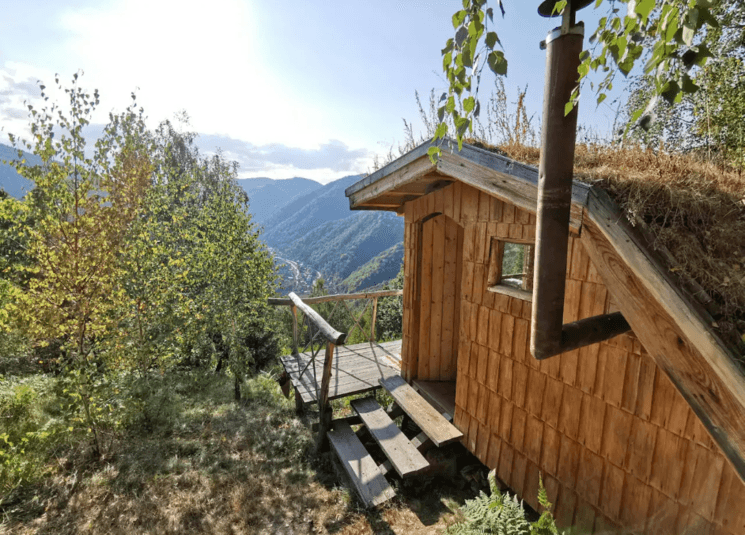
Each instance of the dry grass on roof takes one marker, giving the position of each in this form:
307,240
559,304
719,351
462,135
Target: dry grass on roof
694,209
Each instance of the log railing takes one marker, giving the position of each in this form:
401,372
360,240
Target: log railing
343,299
319,328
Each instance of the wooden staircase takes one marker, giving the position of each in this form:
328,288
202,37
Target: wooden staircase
404,455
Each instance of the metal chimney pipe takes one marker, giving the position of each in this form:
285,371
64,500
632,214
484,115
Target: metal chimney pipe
548,336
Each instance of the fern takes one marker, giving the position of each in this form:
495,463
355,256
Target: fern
502,514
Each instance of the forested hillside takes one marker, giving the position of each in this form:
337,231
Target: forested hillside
380,269
309,226
320,232
268,197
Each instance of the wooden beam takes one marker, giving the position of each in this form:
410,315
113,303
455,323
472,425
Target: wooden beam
401,175
505,179
329,333
670,326
325,412
487,171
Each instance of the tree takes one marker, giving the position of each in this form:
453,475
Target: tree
711,119
667,33
82,208
389,324
198,277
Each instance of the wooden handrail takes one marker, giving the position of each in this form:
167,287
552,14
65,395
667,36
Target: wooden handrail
328,332
279,301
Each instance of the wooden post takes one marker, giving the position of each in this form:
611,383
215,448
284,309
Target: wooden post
293,309
374,316
324,407
299,405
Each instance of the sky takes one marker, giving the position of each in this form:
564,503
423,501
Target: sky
309,88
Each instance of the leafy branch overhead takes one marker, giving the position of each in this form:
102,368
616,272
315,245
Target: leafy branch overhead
668,35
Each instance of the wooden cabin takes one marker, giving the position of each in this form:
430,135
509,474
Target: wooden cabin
645,431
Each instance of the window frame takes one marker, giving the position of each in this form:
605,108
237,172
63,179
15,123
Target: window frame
494,273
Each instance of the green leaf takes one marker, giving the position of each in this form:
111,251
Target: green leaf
450,104
688,86
441,131
559,7
601,98
491,39
433,153
671,92
568,107
644,8
469,104
447,60
460,36
459,17
497,63
448,46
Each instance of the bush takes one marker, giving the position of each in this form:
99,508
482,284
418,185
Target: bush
503,514
27,436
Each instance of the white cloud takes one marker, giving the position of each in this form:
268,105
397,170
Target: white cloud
324,163
201,57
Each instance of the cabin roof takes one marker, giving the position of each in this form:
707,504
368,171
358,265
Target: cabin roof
414,175
672,325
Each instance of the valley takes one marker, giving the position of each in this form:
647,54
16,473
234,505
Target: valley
308,227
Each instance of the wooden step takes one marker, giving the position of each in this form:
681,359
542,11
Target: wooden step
421,442
403,455
370,483
431,422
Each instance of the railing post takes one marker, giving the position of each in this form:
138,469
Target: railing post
293,309
374,316
324,407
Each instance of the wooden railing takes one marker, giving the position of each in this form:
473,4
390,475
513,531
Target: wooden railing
318,327
338,298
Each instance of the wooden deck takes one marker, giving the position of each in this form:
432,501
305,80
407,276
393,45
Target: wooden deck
355,369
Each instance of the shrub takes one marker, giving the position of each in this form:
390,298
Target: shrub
502,514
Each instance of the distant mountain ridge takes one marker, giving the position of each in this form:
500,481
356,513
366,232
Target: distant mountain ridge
266,195
303,221
13,183
319,230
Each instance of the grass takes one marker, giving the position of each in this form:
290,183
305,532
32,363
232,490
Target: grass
198,462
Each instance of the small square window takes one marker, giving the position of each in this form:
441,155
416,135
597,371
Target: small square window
511,268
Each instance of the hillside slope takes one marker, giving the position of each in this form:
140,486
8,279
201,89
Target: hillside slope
320,230
379,269
268,196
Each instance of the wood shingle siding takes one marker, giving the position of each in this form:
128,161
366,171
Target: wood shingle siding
612,437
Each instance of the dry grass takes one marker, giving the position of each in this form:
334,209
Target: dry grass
694,209
218,467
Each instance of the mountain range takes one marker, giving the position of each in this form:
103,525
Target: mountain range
13,183
318,230
307,225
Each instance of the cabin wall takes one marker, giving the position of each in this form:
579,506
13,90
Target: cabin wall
614,441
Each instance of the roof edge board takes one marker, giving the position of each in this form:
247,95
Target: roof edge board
519,182
404,174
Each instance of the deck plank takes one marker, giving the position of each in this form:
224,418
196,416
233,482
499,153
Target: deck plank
370,483
403,455
431,422
356,369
